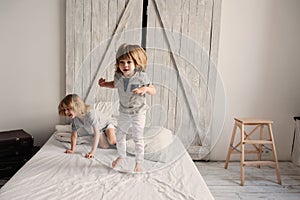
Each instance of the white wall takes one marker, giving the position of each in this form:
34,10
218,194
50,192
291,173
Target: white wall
259,62
32,63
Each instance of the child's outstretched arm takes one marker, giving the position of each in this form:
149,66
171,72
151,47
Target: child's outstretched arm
103,83
95,144
73,142
149,89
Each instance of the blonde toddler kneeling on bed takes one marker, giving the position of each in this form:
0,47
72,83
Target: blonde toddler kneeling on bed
82,116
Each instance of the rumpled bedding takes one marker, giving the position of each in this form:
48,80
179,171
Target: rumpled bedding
52,174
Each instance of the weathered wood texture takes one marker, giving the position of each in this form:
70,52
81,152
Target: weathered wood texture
260,183
181,43
182,46
95,29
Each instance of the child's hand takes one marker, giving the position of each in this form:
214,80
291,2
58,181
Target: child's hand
69,151
101,82
89,155
140,90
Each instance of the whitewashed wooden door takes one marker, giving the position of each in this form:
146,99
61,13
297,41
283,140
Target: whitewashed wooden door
181,40
182,44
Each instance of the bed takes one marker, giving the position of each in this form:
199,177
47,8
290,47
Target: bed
52,174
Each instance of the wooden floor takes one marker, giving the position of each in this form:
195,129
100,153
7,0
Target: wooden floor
260,183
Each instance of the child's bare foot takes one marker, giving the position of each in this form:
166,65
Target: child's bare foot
116,162
138,167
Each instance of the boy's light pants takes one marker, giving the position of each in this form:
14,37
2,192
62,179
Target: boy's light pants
137,124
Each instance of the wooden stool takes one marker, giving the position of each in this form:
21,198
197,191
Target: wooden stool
257,144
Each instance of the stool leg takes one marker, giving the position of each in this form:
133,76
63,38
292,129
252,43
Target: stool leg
242,155
274,154
261,136
230,149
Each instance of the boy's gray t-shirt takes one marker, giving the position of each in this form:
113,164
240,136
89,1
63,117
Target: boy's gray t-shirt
131,103
93,118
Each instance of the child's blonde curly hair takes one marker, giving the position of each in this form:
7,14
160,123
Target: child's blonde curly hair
73,102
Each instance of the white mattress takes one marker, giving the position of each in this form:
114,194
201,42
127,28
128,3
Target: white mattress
52,174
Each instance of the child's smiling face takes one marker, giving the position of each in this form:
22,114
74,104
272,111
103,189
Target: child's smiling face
127,67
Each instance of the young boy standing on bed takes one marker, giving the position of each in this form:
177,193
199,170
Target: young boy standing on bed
132,83
92,121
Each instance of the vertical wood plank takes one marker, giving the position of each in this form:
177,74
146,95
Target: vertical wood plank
175,24
78,27
86,49
96,39
150,41
70,54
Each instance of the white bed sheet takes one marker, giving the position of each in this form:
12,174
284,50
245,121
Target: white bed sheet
52,174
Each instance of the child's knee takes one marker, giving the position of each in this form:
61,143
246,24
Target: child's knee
112,140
